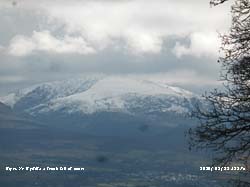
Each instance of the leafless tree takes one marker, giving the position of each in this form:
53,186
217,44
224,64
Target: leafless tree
225,119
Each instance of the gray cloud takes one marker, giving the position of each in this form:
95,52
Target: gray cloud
142,25
50,40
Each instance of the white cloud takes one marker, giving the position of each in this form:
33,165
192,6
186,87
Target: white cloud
44,41
143,43
21,46
201,44
141,25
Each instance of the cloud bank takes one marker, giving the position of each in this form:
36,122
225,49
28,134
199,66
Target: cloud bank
43,41
52,40
137,27
201,44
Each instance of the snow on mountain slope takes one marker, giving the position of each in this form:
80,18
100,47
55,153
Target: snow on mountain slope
101,93
43,93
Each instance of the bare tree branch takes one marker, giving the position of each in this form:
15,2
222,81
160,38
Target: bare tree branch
225,119
217,2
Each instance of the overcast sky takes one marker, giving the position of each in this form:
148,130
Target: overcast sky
174,40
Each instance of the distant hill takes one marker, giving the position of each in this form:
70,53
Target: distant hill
5,110
10,119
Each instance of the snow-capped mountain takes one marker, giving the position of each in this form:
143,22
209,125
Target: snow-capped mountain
106,105
101,93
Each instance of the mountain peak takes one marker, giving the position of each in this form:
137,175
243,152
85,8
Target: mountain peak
100,93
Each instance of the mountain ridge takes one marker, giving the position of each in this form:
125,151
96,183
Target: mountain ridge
100,93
